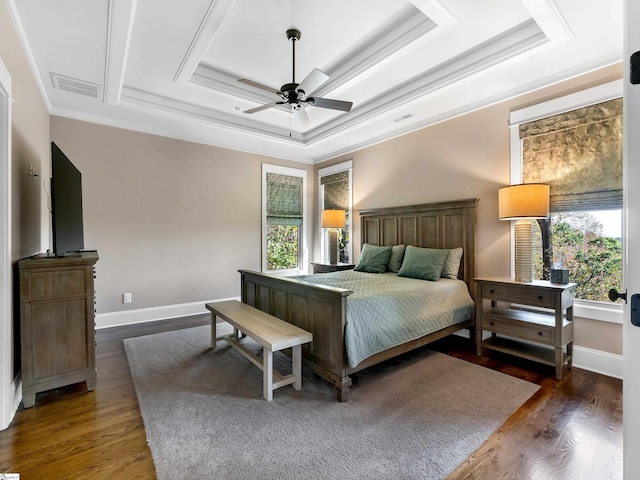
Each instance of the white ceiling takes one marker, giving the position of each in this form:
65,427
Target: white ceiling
172,67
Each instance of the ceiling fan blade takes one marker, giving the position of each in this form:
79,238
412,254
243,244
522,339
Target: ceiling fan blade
329,103
313,81
258,85
262,107
301,116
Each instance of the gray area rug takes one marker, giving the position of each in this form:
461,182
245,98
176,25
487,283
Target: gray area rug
418,416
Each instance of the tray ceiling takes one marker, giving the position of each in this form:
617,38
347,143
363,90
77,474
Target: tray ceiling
172,68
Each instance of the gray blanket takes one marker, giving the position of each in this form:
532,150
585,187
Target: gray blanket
386,310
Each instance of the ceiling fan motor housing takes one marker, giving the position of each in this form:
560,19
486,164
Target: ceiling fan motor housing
294,34
292,94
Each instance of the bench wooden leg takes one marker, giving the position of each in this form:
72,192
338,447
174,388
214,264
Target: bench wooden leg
267,374
296,365
213,331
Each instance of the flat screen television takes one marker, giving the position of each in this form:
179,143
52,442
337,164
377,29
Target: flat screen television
66,204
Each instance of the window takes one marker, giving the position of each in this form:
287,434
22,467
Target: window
284,220
589,244
574,144
334,193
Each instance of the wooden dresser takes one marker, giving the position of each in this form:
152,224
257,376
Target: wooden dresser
57,335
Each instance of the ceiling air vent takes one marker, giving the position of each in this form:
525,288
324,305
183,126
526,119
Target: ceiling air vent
74,85
403,117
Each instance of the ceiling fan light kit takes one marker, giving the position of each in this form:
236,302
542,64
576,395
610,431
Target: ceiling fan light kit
296,94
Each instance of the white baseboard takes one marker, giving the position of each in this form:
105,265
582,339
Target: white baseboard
589,359
163,312
598,361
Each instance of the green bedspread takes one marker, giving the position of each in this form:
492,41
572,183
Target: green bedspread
386,310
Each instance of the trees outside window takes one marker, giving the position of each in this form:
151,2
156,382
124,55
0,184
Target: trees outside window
591,252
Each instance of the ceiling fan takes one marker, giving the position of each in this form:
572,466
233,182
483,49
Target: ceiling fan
297,94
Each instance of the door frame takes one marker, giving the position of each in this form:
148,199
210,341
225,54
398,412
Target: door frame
631,249
8,398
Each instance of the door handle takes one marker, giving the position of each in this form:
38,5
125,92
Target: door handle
635,304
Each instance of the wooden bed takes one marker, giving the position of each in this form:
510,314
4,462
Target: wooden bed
321,309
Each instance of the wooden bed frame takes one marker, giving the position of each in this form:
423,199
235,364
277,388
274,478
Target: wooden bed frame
322,310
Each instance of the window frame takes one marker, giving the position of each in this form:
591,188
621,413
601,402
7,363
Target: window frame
608,91
323,172
302,232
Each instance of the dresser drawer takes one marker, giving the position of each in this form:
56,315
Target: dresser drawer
518,294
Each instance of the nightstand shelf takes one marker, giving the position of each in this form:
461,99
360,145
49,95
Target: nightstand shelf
528,351
539,335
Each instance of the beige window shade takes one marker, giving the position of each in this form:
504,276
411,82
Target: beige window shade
336,191
579,154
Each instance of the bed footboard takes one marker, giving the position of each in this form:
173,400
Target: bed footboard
319,309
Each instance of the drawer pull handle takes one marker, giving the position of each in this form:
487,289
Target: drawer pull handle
490,323
540,297
491,291
540,333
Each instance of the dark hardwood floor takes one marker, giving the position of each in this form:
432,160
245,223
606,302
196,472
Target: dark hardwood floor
568,430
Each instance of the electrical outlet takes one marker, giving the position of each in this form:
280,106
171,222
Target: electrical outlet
126,298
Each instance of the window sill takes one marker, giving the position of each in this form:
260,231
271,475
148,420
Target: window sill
600,311
286,272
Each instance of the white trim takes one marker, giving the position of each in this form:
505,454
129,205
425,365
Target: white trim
598,361
303,257
550,20
601,311
151,314
584,98
9,387
338,167
13,11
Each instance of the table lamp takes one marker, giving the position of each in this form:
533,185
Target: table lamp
521,203
332,220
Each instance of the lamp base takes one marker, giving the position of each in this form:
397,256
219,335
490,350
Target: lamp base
333,246
524,251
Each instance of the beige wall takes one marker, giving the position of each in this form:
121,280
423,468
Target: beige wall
30,146
172,221
466,157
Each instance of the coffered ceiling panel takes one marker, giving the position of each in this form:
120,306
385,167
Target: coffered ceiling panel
175,68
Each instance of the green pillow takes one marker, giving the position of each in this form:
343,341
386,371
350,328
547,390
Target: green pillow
423,263
395,260
452,263
373,259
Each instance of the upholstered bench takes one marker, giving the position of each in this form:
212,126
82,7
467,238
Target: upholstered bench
270,332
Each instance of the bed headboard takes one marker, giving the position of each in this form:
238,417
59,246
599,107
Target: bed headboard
431,225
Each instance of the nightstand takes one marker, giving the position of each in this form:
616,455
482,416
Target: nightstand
541,336
331,267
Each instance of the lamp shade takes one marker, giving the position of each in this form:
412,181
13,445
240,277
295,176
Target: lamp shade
333,219
528,200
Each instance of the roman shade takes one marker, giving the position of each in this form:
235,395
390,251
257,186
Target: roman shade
284,199
579,154
336,191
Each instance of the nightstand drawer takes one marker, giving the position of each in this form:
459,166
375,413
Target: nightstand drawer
521,294
520,329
